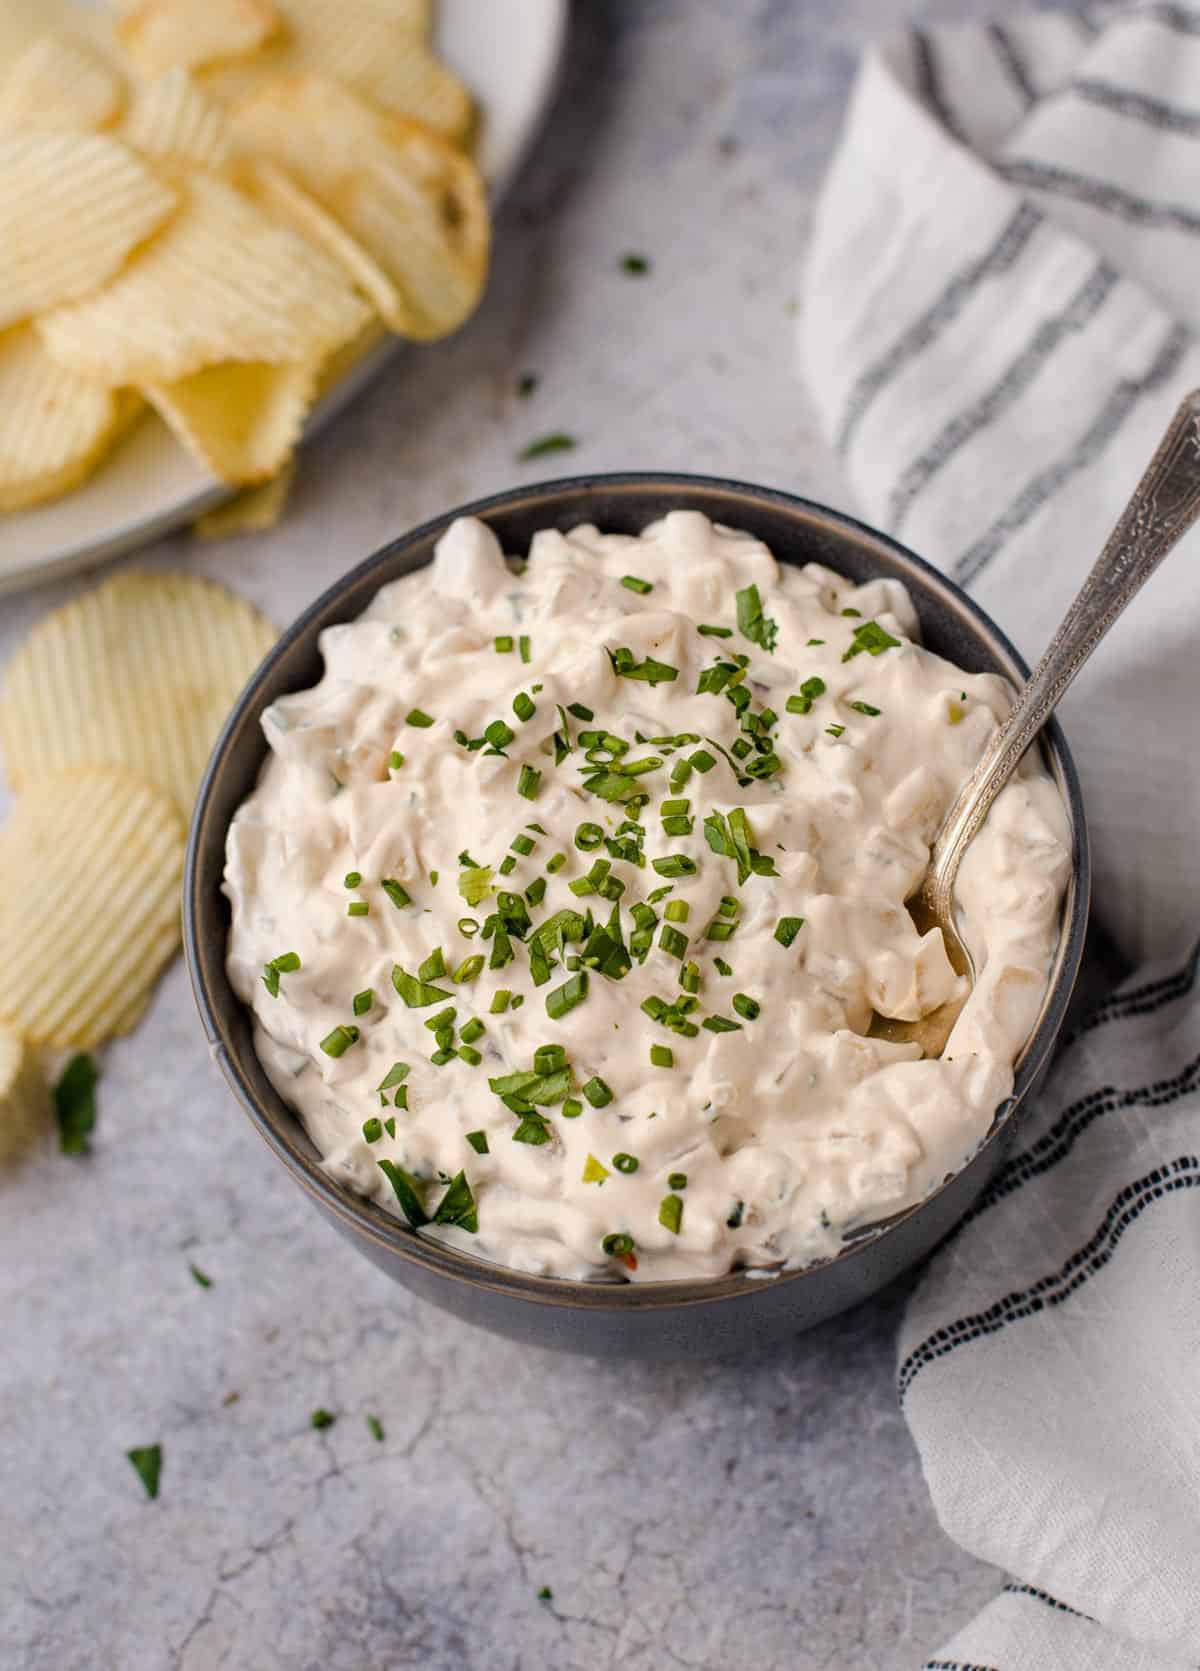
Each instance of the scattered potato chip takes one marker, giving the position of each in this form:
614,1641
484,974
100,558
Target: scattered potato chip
90,868
141,673
414,203
377,50
222,282
24,1096
58,82
177,126
240,419
55,427
72,207
163,34
279,194
251,512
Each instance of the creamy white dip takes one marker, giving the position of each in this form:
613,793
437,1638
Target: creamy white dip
681,1150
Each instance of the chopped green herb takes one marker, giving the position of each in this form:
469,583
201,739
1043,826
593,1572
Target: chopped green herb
528,782
475,883
352,878
588,836
558,442
147,1463
545,1593
720,1024
594,1171
752,623
398,895
199,1277
363,1001
835,730
564,998
675,864
619,1244
469,969
389,1125
358,908
673,942
702,760
407,1191
503,644
434,966
750,1008
670,1213
636,585
661,1056
597,1092
715,632
857,613
677,911
652,672
474,1029
284,964
626,1163
470,1055
722,967
532,1129
457,1206
417,994
571,1109
865,708
396,1075
372,1129
75,1103
478,1141
526,384
677,1180
500,1001
339,1040
787,928
419,718
499,734
375,1428
637,266
535,893
872,638
468,927
322,1418
525,647
580,712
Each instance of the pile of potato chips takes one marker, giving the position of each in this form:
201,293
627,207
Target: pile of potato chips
108,713
211,207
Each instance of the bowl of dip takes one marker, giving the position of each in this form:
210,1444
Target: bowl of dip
545,880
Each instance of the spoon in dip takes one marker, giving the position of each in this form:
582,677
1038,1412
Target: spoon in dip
1163,507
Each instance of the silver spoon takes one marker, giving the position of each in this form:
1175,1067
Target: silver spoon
1164,505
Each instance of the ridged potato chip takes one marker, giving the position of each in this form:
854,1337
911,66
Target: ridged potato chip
58,82
177,126
279,194
72,207
90,869
241,420
162,34
222,282
377,50
252,512
24,1096
141,673
414,202
55,427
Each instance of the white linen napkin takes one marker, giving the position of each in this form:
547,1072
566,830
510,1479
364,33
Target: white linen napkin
1000,301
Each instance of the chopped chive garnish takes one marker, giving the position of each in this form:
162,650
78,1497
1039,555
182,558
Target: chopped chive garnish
322,1418
507,865
503,644
865,708
417,994
689,978
475,883
728,907
147,1464
473,1030
702,760
677,911
398,895
677,1180
637,266
720,930
745,1006
527,383
468,927
597,1092
470,1055
284,964
433,878
478,1141
636,585
434,966
594,1171
787,928
652,672
677,826
619,1244
523,844
396,1075
670,1213
339,1040
419,718
719,1024
389,1125
559,442
715,632
673,942
499,733
352,878
395,760
536,891
372,1129
856,613
588,836
752,623
571,1109
524,706
549,1058
528,782
580,712
564,998
675,864
835,730
375,1428
626,1163
445,1054
363,1001
524,646
500,1001
872,638
358,908
662,1056
407,1192
532,1129
722,967
199,1277
469,969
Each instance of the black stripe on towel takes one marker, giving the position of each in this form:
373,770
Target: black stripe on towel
1100,195
1058,1286
1042,487
1055,1144
1083,306
954,1665
1047,1601
1139,107
999,258
929,82
1143,1000
1014,63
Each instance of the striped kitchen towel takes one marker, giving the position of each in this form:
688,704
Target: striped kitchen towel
1000,316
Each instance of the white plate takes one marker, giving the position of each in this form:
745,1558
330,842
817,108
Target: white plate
508,52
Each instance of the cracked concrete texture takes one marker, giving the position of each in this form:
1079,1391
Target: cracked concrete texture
768,1511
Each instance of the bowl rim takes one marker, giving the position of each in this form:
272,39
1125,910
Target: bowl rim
394,1239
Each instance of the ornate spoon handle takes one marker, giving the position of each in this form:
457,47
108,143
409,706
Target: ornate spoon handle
1164,505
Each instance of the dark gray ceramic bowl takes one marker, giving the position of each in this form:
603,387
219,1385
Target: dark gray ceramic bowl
653,1319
